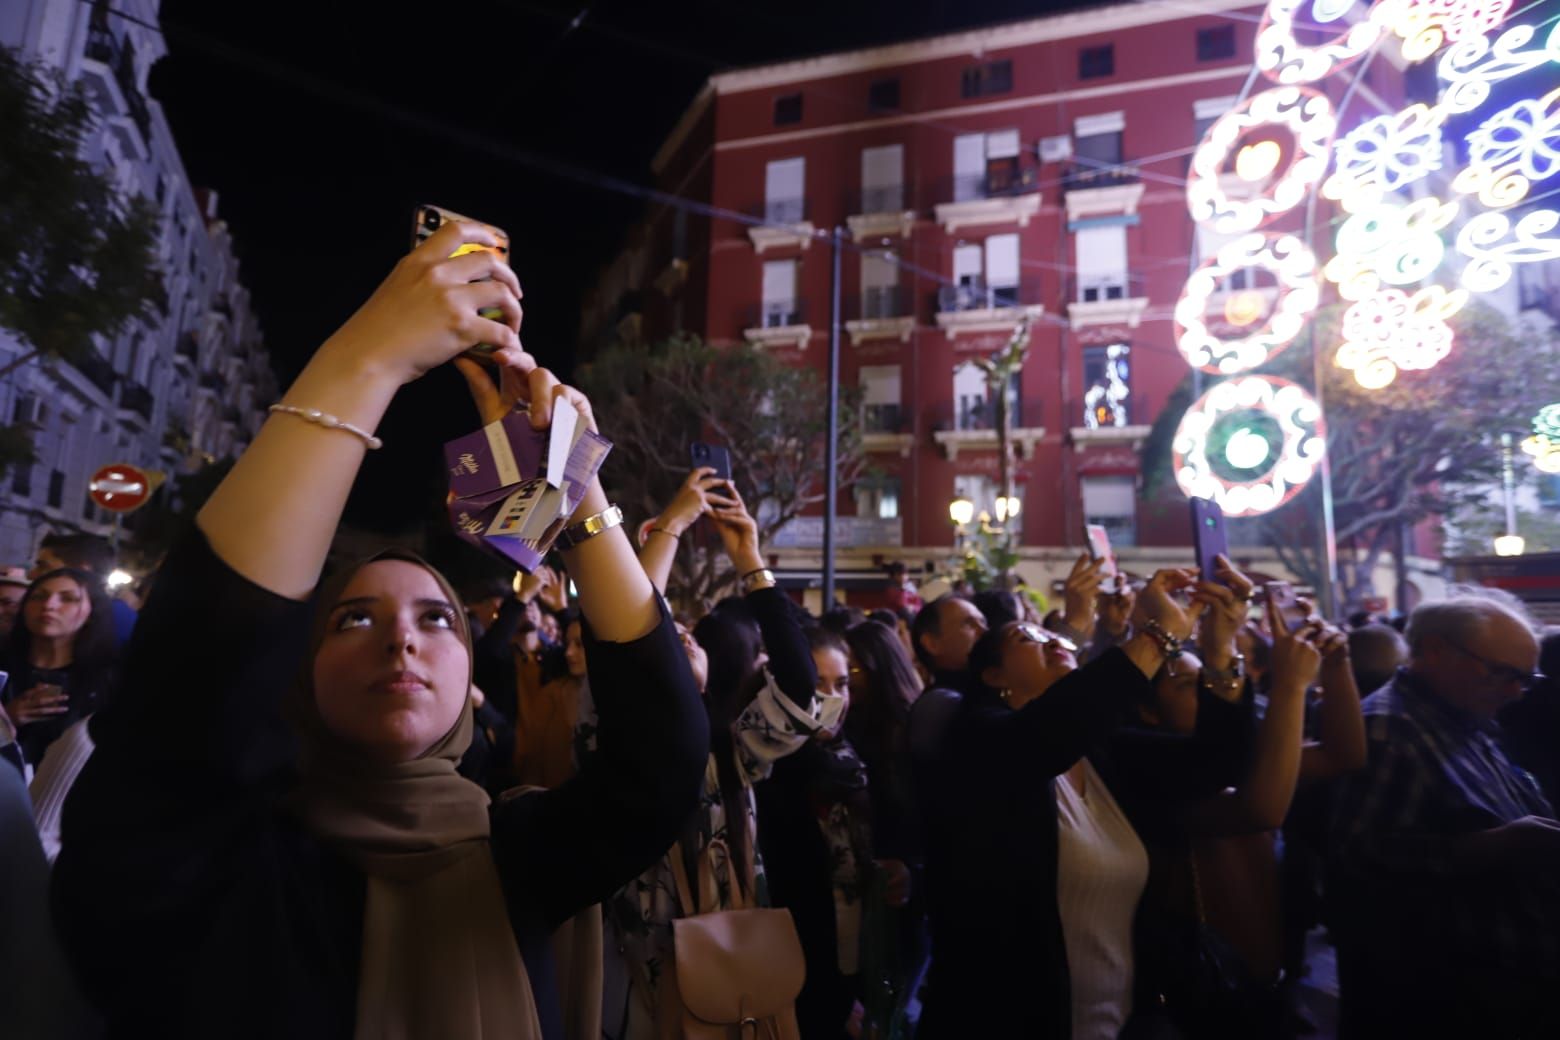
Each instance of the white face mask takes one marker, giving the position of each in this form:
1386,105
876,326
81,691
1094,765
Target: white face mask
828,709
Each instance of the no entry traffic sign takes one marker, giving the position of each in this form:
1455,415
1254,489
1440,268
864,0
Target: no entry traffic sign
120,487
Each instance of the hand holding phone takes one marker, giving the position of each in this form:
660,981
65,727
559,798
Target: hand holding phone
1208,537
1099,549
714,456
429,219
1282,596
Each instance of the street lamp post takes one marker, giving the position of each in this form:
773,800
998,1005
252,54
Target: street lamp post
1511,543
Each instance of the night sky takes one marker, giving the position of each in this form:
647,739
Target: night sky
321,125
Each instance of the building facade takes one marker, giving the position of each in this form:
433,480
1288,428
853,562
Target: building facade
188,385
1035,169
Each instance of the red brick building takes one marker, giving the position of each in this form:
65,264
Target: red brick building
1035,167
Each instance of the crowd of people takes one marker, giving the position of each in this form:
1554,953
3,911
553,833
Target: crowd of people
284,802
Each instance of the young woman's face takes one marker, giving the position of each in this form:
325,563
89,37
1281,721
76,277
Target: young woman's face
1033,660
393,673
698,660
833,679
1175,695
574,651
57,608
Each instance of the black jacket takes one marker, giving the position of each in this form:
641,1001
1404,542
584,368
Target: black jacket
191,905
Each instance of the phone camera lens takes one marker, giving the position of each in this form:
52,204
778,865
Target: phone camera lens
431,219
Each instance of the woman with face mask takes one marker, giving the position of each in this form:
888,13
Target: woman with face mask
241,862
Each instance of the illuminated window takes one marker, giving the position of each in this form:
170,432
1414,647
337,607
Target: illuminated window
878,497
1107,386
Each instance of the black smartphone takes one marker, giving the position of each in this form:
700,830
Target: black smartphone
715,456
1208,536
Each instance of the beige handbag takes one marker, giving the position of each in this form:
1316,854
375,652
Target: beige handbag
735,974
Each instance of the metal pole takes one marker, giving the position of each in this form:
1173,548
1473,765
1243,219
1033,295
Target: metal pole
831,445
1509,481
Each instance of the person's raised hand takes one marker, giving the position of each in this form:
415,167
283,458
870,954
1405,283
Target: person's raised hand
737,528
1158,604
39,703
1225,593
426,311
698,495
554,591
1079,593
1115,609
1296,658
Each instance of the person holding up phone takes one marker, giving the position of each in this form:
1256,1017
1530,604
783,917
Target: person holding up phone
703,490
246,861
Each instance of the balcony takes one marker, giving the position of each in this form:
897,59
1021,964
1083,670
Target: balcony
880,213
785,225
1118,300
110,64
135,401
973,306
1001,195
880,312
1094,189
885,428
971,426
778,324
92,370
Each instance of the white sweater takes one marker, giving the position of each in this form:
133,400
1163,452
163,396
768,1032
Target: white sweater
61,764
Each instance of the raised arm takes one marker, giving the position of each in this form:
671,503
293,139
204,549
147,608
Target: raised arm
273,518
690,503
1340,724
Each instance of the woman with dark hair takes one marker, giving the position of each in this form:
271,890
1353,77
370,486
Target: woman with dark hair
883,688
61,656
756,672
1025,846
226,872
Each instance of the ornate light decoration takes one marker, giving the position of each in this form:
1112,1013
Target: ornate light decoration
1544,445
1283,59
1308,118
1391,330
1290,462
1292,265
1384,154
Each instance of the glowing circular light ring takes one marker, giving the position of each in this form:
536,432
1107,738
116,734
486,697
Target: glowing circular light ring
1292,265
1391,244
1384,154
1284,60
1473,63
1426,25
1392,331
1483,240
1308,117
1303,444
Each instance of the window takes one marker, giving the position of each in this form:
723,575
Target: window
1002,270
882,179
1107,386
784,192
788,109
1216,43
56,487
1098,140
878,497
779,307
992,77
21,479
880,409
1094,62
25,409
1111,502
879,285
985,164
1102,263
883,95
972,404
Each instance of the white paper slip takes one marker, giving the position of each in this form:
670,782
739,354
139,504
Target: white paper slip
565,421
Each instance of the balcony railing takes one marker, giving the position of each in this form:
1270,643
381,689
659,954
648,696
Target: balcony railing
133,397
1084,175
884,418
981,415
888,199
775,315
1127,285
99,372
878,303
976,295
995,182
119,56
783,211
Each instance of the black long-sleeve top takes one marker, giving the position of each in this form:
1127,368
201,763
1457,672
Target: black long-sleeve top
191,905
999,963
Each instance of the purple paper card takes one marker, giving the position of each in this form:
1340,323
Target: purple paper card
499,455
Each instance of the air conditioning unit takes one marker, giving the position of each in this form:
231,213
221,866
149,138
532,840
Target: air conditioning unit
1056,149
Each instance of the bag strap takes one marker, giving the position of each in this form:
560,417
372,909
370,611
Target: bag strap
690,906
709,890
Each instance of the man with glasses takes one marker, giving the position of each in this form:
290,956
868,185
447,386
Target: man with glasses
1445,880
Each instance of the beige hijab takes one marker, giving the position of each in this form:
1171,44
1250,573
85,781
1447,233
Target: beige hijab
439,956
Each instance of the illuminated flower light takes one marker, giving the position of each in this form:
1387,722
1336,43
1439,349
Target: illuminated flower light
1293,463
1392,331
1493,243
1544,445
1511,149
1384,154
1283,59
1293,266
1245,308
1426,25
1391,244
1469,67
1309,118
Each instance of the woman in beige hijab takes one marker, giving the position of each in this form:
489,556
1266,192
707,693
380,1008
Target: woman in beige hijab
228,873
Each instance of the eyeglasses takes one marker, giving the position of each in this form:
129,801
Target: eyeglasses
1032,633
1505,673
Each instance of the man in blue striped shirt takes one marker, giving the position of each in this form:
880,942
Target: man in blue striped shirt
1445,874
